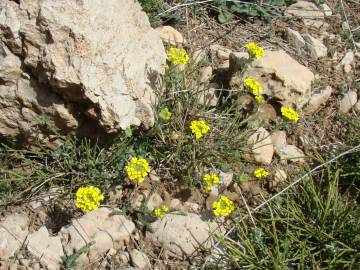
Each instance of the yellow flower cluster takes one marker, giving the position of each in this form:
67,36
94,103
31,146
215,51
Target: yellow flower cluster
290,114
137,169
165,114
161,211
88,198
199,128
210,180
261,173
253,86
255,50
260,99
177,56
223,206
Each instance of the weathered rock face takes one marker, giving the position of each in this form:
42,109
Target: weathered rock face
282,78
83,63
183,235
106,230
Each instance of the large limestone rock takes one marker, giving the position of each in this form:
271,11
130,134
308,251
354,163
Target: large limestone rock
13,231
88,65
282,78
182,235
106,230
46,248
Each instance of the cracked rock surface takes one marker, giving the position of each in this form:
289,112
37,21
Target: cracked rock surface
88,65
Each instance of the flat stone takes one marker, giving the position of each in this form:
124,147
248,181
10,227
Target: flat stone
282,78
170,35
205,74
13,231
278,139
319,99
154,201
315,47
139,260
225,179
295,39
326,9
347,102
309,12
181,235
48,249
348,59
221,52
292,154
262,146
108,231
198,55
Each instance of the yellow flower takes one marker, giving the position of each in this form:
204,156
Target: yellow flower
261,173
161,211
177,56
165,114
223,206
290,114
88,198
210,180
255,50
137,169
199,128
260,99
253,86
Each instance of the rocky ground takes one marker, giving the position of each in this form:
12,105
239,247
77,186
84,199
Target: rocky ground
311,63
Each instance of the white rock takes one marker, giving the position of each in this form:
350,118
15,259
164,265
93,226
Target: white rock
282,78
221,52
315,47
357,106
292,154
108,231
154,201
89,60
319,99
348,101
198,55
205,74
191,207
175,204
348,59
207,94
280,175
278,139
140,260
295,39
13,231
46,248
225,179
224,65
182,235
347,68
262,146
326,9
170,35
308,11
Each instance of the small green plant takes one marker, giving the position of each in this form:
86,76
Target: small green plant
152,8
265,10
71,262
313,226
